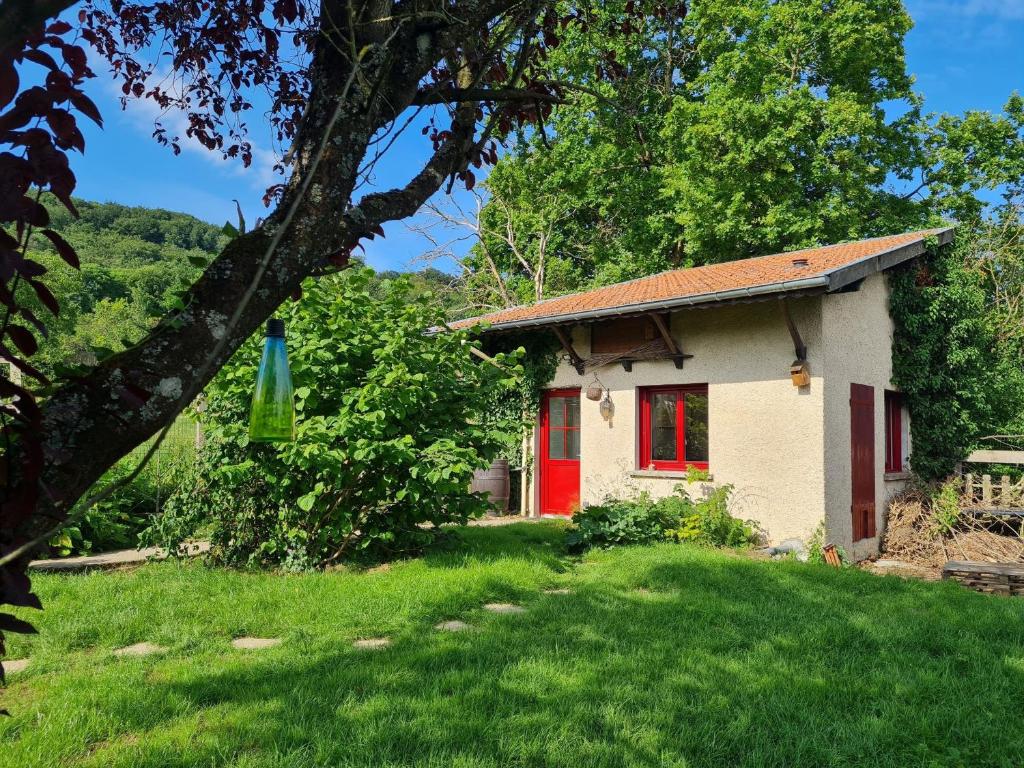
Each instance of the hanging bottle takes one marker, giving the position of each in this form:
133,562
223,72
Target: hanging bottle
272,416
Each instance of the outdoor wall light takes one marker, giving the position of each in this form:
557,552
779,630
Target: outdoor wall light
272,415
607,406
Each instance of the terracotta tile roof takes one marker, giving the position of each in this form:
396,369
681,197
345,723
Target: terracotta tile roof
778,273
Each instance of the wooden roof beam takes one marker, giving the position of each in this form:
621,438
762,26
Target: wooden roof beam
678,356
566,342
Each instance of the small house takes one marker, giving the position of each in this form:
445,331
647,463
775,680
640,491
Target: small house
771,374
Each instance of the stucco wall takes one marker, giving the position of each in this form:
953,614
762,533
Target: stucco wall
858,333
766,437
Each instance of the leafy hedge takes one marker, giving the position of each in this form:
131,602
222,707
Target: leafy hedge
391,424
674,518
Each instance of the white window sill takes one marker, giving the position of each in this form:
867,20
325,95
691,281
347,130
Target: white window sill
664,474
892,477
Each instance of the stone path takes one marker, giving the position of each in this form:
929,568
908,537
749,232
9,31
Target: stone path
140,649
14,666
255,643
118,559
504,608
372,642
452,626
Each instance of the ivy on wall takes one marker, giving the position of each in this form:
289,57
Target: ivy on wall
947,360
538,363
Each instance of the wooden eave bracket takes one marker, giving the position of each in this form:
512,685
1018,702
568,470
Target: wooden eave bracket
566,342
799,348
677,355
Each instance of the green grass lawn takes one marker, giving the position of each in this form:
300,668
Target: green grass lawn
660,656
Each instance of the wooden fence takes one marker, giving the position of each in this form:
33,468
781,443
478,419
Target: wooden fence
1001,493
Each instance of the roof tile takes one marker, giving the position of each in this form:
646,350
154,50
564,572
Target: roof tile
698,281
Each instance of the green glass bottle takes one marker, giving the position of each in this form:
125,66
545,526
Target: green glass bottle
272,416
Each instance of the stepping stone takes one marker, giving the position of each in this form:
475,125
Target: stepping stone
13,666
140,649
453,626
255,643
504,608
372,642
556,591
643,591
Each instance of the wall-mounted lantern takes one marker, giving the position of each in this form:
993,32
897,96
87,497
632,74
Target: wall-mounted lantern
272,415
607,406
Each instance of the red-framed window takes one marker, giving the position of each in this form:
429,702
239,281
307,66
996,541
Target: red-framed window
562,424
893,431
674,427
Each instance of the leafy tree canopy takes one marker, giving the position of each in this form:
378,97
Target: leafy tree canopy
743,128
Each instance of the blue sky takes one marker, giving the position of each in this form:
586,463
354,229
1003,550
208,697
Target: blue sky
966,54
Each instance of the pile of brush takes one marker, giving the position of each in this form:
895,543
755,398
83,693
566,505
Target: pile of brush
928,527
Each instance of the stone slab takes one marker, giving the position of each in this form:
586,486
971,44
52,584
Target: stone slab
140,649
255,643
14,666
452,626
372,642
504,608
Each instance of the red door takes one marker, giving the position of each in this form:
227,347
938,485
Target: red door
560,452
862,453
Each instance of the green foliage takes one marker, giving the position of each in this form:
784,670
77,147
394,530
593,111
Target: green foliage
960,376
124,519
945,504
680,518
520,401
742,129
134,261
391,424
816,548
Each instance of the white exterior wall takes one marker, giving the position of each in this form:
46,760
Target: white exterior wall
858,332
766,437
786,450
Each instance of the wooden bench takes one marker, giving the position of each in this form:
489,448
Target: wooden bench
994,578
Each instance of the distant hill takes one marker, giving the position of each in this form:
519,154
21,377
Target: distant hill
133,262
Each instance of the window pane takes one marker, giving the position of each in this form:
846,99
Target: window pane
572,411
556,444
663,426
696,426
572,444
556,411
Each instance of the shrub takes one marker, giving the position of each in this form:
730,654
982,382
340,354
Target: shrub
673,518
391,423
123,519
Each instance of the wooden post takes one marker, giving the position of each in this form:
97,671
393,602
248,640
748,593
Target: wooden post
1005,490
986,489
969,486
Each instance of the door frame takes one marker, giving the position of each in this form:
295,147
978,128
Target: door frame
541,448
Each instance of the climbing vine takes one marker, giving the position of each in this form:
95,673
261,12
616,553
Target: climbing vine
539,362
956,378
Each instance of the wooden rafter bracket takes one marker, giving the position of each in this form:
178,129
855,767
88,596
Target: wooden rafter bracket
677,354
566,342
799,348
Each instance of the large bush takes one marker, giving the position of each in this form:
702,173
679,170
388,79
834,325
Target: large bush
643,520
391,424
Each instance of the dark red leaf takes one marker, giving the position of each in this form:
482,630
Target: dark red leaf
29,315
9,623
23,339
63,247
45,296
8,81
86,106
58,27
41,58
